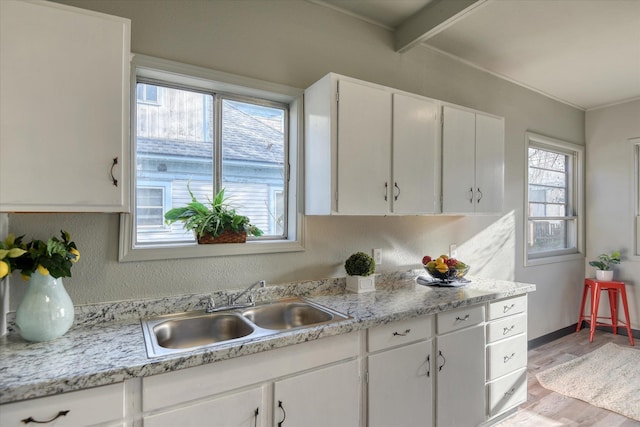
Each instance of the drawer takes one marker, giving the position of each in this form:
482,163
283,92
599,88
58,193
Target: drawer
401,332
507,392
507,307
506,327
506,356
86,407
460,318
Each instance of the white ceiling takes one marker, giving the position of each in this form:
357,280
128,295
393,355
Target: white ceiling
585,53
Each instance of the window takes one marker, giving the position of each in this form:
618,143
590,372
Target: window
636,191
203,135
554,200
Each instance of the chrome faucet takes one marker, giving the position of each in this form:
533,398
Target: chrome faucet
232,301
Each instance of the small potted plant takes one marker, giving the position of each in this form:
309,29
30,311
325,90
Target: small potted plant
360,268
603,265
217,222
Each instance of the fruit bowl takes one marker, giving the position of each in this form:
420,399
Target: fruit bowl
445,269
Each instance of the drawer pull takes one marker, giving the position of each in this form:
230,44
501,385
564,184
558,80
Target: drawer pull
462,319
506,308
506,330
510,392
33,420
113,178
400,334
444,361
284,413
507,358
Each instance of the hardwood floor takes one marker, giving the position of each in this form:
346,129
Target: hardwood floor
545,408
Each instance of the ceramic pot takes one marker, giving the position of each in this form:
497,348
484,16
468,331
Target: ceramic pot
604,275
46,310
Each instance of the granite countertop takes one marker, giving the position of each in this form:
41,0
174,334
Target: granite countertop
106,343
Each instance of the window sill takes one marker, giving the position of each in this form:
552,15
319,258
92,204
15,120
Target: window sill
532,262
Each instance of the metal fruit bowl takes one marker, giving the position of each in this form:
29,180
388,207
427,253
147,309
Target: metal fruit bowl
451,275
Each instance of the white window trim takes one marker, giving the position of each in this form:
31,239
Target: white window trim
635,196
150,67
541,140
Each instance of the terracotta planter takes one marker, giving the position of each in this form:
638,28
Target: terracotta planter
227,236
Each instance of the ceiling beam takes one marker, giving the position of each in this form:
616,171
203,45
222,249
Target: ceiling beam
430,20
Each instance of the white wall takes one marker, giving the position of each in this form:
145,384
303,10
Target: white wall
295,43
610,199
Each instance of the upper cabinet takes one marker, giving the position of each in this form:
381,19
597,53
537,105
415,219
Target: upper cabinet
369,150
64,109
472,162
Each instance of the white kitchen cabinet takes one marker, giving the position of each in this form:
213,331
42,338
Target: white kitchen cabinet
242,409
100,405
324,397
472,161
64,109
369,150
460,370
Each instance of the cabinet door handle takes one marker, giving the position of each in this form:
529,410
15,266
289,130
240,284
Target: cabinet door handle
113,178
386,191
479,195
33,420
462,319
444,361
506,330
401,334
510,392
506,308
428,365
505,359
471,195
255,417
395,197
284,413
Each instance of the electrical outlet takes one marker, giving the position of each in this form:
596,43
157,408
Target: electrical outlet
377,255
453,251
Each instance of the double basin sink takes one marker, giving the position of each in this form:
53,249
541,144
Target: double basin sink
199,329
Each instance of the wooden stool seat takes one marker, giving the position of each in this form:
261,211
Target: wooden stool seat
613,288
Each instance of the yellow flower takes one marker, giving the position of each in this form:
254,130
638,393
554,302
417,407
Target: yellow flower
4,269
76,253
43,270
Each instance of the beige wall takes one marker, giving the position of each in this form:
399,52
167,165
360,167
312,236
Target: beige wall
295,43
610,199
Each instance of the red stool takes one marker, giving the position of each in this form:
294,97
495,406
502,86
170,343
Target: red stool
613,288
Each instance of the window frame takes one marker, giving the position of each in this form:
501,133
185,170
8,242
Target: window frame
635,196
576,175
168,72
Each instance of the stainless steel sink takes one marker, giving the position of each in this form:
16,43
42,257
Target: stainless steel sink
199,329
288,314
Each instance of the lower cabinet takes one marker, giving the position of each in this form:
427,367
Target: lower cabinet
324,397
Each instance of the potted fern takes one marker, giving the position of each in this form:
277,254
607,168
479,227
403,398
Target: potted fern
603,265
360,268
217,222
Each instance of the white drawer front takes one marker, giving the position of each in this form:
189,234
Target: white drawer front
507,392
460,318
506,327
507,307
506,356
402,332
85,407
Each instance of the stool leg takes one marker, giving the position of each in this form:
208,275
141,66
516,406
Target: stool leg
625,307
613,309
584,300
595,302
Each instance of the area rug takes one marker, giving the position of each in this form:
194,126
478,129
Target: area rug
608,377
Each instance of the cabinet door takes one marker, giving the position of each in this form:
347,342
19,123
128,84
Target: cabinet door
458,160
64,79
364,147
489,163
239,410
460,368
325,397
401,387
415,156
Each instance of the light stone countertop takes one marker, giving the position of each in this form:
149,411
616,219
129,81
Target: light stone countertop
106,343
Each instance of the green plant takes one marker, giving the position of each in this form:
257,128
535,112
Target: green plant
55,256
605,261
213,219
360,264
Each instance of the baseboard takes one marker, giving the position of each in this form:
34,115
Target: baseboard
537,342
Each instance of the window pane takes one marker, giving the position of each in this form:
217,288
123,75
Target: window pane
174,146
543,235
253,159
548,183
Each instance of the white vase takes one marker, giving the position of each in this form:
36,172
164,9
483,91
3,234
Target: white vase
604,275
361,284
46,310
